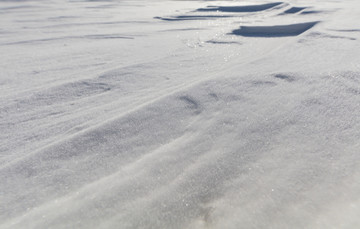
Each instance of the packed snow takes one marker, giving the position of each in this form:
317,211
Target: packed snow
179,114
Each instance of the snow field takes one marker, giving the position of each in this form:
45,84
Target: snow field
179,114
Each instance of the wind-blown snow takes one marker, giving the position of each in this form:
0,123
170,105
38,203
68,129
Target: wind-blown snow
179,114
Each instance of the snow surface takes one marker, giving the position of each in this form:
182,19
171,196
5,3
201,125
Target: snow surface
179,114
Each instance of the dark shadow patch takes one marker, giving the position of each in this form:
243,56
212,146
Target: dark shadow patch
262,83
240,9
107,36
346,30
191,103
285,77
312,102
61,18
191,17
16,7
311,12
223,42
294,10
214,95
180,30
274,31
107,6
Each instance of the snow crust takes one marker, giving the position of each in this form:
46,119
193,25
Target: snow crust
179,114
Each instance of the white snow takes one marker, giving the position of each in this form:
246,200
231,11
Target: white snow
179,114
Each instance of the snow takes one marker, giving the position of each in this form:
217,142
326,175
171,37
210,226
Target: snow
179,114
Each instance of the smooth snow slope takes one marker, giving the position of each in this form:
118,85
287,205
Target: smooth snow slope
179,114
